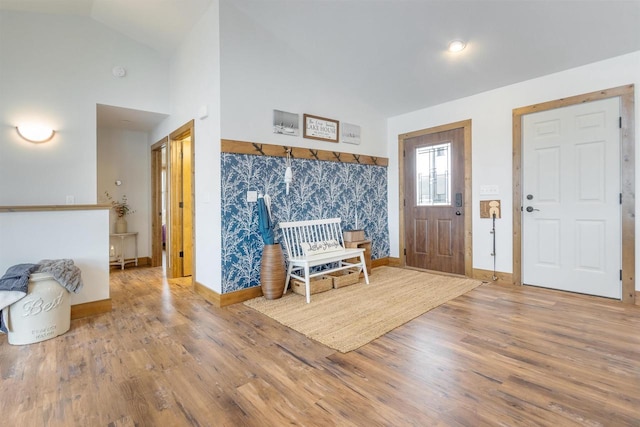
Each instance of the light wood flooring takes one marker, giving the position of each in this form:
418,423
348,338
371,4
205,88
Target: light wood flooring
497,356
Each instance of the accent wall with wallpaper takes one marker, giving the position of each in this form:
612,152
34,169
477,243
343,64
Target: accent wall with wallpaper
320,189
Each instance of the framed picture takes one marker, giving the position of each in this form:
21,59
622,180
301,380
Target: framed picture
320,128
286,123
350,134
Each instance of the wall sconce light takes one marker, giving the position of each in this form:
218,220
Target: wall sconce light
288,173
35,133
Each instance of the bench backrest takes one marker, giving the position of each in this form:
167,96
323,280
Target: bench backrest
297,232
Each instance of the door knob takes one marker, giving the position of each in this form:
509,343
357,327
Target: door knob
531,209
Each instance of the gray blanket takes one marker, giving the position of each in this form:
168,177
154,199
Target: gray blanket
14,286
64,271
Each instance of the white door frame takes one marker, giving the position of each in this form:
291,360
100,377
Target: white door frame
627,165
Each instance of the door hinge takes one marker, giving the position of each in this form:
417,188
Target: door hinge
620,274
181,205
181,254
404,202
405,251
620,198
404,153
620,122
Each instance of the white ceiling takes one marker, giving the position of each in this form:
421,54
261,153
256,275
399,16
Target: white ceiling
391,53
117,117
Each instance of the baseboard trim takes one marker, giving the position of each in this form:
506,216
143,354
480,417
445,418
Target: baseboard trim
487,276
144,261
223,300
379,262
92,308
206,293
394,262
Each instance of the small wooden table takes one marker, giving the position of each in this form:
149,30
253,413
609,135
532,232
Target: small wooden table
120,259
366,244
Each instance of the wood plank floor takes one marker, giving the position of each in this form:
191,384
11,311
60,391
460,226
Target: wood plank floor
497,356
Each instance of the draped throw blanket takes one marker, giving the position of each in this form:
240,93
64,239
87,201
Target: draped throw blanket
14,286
64,271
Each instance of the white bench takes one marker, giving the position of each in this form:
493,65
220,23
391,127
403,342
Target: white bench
317,242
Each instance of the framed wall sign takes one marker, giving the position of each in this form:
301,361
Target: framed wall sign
350,133
320,128
286,123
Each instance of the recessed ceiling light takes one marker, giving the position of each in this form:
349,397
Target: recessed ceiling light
457,46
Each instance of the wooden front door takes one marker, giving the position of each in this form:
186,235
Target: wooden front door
434,201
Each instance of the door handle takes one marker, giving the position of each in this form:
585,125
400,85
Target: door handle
458,213
531,209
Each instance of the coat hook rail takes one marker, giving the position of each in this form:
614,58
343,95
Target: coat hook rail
261,149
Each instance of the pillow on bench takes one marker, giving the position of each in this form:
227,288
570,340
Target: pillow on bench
320,247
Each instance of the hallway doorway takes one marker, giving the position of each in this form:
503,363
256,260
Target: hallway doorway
172,203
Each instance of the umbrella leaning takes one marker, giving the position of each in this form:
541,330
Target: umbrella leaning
264,222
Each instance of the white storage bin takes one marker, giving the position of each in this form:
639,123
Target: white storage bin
43,314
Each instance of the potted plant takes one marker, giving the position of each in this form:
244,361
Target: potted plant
272,273
122,209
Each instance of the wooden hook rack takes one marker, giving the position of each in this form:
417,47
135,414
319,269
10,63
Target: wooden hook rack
258,149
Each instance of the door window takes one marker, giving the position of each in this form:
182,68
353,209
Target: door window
433,183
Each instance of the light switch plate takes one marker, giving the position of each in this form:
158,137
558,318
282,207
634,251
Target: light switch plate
252,196
487,190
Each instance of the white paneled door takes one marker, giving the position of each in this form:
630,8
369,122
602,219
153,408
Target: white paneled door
571,222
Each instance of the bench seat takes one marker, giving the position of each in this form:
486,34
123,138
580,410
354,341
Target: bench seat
297,233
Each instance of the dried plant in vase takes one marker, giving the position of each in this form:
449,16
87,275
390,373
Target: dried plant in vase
122,209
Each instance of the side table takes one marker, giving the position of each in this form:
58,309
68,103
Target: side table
366,244
120,259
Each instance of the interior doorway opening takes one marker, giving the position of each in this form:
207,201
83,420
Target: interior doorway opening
159,164
181,203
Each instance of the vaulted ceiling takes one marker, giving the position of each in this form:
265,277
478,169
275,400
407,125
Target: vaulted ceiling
392,53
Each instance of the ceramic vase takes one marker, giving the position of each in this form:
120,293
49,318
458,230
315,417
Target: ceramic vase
272,272
121,225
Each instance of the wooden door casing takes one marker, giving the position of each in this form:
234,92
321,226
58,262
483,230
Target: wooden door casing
571,182
627,159
181,218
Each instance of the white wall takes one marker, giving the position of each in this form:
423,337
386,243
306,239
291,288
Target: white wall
490,113
260,73
28,237
195,83
125,155
56,68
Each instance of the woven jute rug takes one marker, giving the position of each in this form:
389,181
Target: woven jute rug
347,318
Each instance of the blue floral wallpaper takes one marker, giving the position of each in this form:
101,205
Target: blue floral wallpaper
320,189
